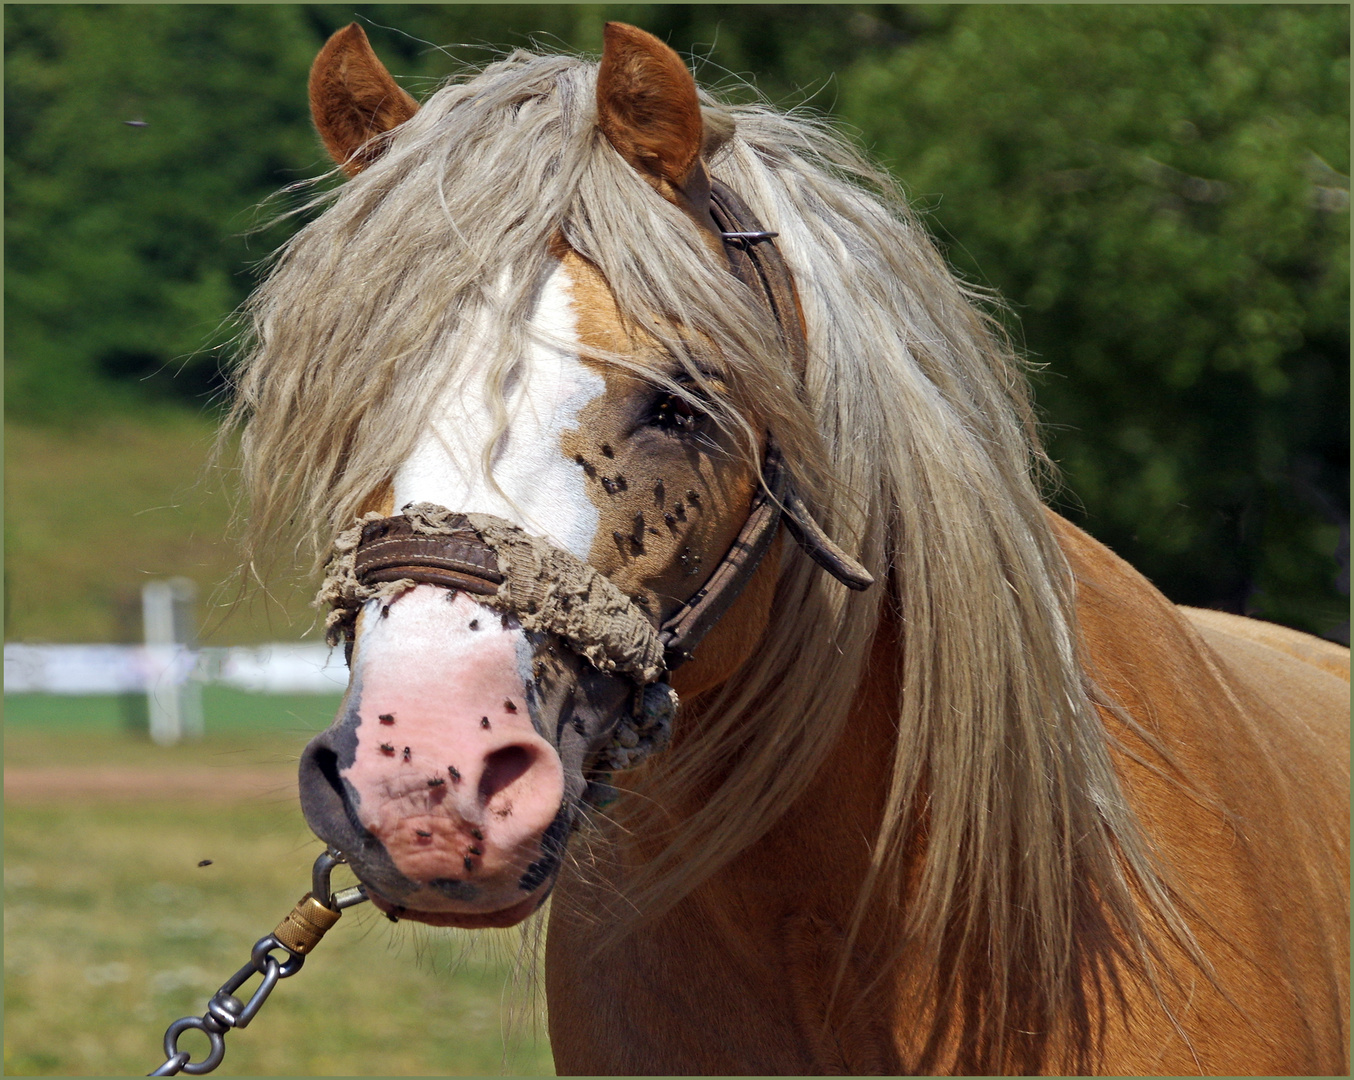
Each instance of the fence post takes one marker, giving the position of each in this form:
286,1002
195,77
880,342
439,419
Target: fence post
173,695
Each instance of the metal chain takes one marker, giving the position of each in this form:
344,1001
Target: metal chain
295,935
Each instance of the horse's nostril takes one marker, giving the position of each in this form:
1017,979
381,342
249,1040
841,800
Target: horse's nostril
503,768
325,762
324,796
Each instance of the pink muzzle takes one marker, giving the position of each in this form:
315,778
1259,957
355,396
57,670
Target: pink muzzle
448,772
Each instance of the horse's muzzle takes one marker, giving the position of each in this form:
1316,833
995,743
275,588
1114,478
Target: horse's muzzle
454,772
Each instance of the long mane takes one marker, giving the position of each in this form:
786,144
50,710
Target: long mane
912,436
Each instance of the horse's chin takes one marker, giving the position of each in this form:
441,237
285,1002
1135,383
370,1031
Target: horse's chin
465,920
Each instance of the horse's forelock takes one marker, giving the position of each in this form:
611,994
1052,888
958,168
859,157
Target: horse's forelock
357,327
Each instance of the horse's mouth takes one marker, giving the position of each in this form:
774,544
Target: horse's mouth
504,917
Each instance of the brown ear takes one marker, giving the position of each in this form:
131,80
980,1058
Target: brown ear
353,99
648,110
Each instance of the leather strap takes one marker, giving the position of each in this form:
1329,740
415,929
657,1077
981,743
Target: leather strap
390,550
756,262
816,544
681,631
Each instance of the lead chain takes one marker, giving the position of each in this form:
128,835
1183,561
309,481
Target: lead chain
298,933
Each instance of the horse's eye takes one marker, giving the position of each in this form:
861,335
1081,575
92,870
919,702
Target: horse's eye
671,412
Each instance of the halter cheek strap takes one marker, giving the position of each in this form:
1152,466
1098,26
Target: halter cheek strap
757,262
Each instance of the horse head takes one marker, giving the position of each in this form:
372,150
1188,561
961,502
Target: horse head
556,542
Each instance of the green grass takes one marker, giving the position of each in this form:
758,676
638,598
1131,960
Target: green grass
43,731
92,513
224,710
112,929
241,729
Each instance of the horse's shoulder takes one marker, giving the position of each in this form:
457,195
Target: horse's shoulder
1208,663
1303,681
1231,740
1127,628
1185,668
1254,641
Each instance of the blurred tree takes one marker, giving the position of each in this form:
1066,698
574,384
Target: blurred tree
140,140
791,52
1162,193
134,151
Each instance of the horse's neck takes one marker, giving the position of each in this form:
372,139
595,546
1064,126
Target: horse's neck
749,953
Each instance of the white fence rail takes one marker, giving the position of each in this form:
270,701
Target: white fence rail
126,669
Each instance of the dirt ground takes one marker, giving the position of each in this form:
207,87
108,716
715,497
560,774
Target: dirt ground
121,783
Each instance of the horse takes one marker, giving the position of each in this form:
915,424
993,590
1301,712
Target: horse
927,780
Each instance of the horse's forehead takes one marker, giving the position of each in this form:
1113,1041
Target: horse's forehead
598,327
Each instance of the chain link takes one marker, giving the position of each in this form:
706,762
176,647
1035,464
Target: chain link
296,935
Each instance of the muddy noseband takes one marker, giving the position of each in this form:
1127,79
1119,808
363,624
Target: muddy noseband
391,550
547,589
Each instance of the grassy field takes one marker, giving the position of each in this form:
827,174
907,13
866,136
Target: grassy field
112,929
94,512
227,714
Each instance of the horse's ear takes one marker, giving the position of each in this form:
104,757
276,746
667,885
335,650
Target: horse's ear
648,110
353,99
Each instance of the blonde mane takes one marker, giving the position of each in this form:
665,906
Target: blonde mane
912,437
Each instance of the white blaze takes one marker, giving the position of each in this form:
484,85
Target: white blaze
545,489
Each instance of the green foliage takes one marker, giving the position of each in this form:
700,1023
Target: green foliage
1162,194
123,243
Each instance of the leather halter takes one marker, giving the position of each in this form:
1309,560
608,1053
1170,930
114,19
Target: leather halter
390,550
